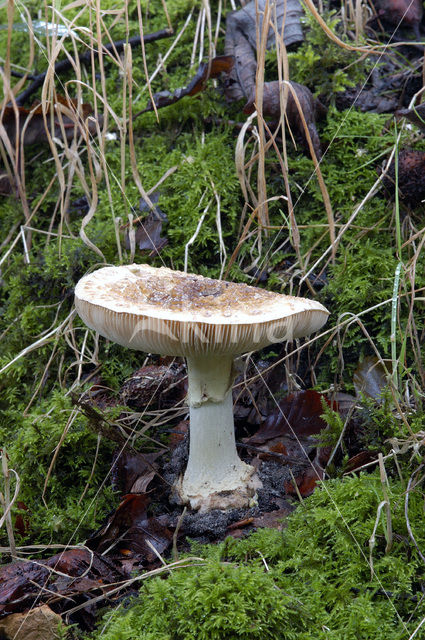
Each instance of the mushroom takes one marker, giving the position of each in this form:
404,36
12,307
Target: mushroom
209,322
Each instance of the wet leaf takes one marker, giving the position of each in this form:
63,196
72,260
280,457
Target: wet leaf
129,530
241,40
206,71
132,471
359,460
298,413
306,482
22,583
29,124
286,437
370,378
309,105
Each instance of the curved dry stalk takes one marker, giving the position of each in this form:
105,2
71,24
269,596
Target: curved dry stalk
191,561
323,189
263,214
332,331
406,512
372,191
39,343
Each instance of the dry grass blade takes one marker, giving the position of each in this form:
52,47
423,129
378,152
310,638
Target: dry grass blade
6,502
351,219
283,74
179,564
39,343
263,215
323,189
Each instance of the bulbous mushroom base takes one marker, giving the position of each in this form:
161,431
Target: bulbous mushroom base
237,490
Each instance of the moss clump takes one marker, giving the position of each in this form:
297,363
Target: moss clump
318,583
54,506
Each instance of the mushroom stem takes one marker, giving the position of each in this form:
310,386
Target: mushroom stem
215,477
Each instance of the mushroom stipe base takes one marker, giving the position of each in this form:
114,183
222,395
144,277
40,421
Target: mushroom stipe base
215,477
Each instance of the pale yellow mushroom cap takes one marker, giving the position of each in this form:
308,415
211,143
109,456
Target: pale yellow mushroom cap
158,310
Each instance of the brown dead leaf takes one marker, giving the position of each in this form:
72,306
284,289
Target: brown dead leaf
178,433
241,40
206,71
370,378
130,531
132,471
148,229
29,125
407,13
23,583
356,462
310,108
40,623
298,413
286,437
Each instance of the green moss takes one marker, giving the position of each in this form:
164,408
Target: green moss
321,64
313,581
55,511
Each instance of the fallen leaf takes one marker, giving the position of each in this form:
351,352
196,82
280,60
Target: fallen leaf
155,387
129,529
178,433
206,71
306,482
309,105
299,413
370,378
23,583
395,13
40,623
359,460
133,471
29,124
286,437
241,40
343,403
148,229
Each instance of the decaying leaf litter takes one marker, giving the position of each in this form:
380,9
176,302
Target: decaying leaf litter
141,531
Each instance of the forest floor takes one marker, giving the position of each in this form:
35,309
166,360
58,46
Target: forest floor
191,136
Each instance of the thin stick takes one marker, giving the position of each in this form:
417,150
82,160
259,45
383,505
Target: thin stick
85,58
176,533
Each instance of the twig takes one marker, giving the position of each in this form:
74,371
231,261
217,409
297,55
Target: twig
85,58
176,533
